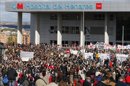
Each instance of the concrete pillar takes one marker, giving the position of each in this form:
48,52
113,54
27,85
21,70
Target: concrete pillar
82,35
59,27
106,35
19,28
114,32
37,30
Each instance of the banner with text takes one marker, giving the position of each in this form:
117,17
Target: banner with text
26,56
121,57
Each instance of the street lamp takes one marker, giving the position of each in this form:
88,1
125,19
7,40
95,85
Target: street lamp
2,48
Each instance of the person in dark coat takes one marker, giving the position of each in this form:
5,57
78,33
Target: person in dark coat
64,71
12,74
120,82
104,82
87,82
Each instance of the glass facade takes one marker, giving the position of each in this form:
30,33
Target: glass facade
65,30
123,21
96,29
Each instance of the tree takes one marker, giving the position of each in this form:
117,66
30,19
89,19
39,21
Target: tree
11,39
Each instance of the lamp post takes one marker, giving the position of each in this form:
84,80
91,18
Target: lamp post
2,48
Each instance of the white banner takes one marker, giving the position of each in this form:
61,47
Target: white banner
75,52
101,55
104,56
25,56
88,55
128,46
121,57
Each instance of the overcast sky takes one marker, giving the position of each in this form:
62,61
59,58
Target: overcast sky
10,16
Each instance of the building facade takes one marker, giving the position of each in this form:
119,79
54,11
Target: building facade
80,21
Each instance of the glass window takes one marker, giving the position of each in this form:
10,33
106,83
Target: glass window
77,30
65,29
87,30
70,30
97,30
70,16
99,17
53,17
53,29
110,30
53,42
111,17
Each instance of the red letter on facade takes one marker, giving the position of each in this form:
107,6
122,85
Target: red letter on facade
19,5
98,6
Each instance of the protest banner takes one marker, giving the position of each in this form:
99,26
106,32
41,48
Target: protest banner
88,55
101,55
100,45
25,56
128,46
121,57
104,56
75,52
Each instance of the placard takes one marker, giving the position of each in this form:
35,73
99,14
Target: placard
25,56
122,57
88,55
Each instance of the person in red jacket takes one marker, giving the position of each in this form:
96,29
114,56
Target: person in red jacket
110,64
128,79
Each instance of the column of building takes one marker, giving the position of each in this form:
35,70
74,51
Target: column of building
82,35
19,28
59,27
106,35
37,29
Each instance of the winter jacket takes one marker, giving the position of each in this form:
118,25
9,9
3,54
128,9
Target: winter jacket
12,74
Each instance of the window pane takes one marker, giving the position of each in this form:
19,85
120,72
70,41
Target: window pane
97,30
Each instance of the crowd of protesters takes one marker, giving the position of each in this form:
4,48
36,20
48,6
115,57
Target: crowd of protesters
53,65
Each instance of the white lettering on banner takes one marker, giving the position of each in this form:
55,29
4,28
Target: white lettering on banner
25,56
101,55
88,55
104,56
75,52
100,45
121,57
128,46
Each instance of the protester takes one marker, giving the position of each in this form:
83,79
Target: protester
1,78
12,74
64,66
121,82
42,81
